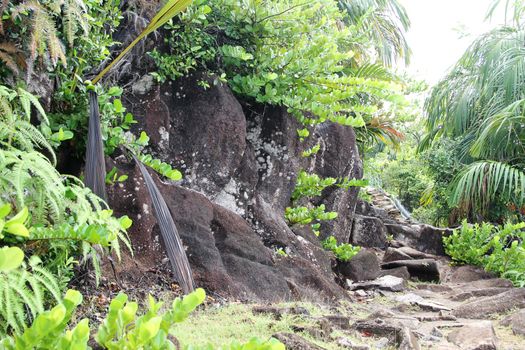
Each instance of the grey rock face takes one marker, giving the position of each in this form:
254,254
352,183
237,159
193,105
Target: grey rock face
239,161
368,231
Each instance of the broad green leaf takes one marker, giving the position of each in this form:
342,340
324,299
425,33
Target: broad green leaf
10,258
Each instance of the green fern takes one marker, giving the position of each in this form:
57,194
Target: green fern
43,41
25,290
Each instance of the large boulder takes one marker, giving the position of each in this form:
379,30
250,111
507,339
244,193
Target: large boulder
368,232
227,256
362,267
424,238
239,160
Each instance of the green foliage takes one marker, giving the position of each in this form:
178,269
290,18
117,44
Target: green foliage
343,252
263,53
470,243
304,215
384,23
311,185
24,291
113,177
480,102
499,249
311,151
48,330
121,329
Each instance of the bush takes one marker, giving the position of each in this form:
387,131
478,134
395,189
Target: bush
499,249
343,252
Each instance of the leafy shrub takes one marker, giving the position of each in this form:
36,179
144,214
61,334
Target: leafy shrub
261,50
304,215
499,249
343,252
470,243
121,329
311,185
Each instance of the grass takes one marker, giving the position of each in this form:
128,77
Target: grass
220,325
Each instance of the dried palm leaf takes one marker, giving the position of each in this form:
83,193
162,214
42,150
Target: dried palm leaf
95,173
179,261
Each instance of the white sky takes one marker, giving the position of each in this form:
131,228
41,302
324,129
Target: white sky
435,45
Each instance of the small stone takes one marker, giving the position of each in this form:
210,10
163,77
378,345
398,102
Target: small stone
347,344
293,341
361,293
424,304
382,343
436,332
341,322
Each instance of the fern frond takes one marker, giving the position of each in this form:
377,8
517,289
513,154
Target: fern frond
22,295
73,19
43,35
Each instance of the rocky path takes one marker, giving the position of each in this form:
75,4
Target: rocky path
383,201
409,295
479,313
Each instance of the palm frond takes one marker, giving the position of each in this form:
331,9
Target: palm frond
167,12
174,248
486,80
384,22
483,182
95,173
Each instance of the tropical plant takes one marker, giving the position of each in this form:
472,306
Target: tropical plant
22,288
343,252
265,56
481,103
499,249
122,328
383,23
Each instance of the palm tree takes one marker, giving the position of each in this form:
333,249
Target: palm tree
383,23
482,102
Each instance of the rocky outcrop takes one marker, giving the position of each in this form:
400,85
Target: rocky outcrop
239,161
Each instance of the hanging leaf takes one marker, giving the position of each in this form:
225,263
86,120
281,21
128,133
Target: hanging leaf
95,163
174,249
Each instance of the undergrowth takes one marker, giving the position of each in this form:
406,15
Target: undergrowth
498,249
